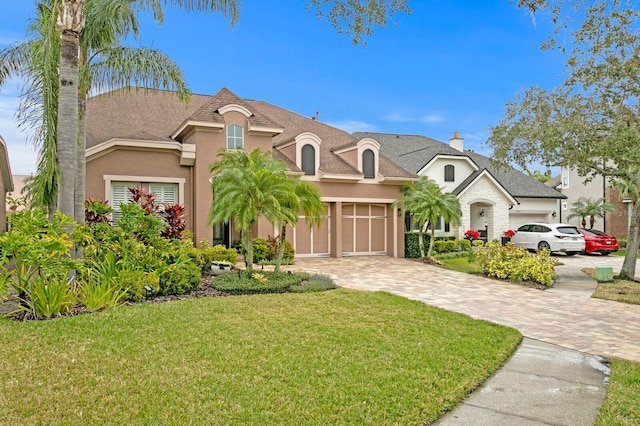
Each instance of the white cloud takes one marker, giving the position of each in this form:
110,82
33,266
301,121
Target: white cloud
433,118
22,156
429,118
351,126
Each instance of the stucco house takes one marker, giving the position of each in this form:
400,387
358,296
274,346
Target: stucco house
6,182
150,139
492,200
574,187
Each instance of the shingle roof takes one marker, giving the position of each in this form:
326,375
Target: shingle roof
332,138
137,114
156,115
413,152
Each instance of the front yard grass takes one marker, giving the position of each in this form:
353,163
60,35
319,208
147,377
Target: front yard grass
337,357
461,264
622,405
619,290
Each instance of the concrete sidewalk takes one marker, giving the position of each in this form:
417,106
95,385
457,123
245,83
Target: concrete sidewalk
541,384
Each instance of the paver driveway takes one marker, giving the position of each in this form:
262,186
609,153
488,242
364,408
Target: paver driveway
569,319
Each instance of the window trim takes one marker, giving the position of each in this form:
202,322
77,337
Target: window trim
449,171
144,179
312,168
235,137
308,138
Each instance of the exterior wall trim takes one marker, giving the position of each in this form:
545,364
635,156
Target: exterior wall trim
448,157
151,179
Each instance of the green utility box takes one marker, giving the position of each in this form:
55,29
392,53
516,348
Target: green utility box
604,273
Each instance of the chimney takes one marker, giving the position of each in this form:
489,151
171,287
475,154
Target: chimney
456,142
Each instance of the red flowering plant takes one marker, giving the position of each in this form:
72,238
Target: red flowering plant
472,235
509,233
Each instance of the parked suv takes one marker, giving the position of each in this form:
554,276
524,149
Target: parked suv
556,237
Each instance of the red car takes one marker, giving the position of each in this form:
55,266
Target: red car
599,242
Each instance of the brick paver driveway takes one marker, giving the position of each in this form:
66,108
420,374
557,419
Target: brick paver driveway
569,319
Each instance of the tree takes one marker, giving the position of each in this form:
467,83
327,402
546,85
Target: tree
426,203
103,64
592,122
586,207
247,186
356,18
540,177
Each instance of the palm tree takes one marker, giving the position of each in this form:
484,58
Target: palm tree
426,203
247,186
102,64
307,201
586,207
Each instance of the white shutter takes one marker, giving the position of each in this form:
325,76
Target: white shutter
119,195
166,193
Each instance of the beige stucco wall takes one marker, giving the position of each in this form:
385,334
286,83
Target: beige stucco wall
137,165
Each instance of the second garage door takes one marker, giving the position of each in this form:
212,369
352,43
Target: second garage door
364,229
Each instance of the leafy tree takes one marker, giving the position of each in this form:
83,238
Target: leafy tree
249,185
426,203
103,63
540,177
356,18
592,122
586,207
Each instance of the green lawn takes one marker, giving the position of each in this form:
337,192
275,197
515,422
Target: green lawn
622,405
337,357
461,264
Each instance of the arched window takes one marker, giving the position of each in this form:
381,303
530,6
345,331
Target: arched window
368,164
234,137
449,173
309,160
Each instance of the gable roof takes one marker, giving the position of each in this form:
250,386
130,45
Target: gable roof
413,152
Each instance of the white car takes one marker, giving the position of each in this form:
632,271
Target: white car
555,237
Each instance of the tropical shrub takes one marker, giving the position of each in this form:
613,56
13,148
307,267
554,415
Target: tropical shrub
472,234
176,219
40,250
96,211
465,245
96,294
514,263
47,297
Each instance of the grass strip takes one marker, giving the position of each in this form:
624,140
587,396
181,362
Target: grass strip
619,290
622,405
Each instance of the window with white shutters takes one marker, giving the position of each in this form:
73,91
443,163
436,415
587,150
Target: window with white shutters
166,193
119,195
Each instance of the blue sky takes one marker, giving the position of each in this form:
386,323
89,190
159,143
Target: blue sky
448,66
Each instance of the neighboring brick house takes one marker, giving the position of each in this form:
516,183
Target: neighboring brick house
149,139
573,186
492,200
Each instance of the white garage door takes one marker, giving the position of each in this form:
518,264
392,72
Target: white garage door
518,219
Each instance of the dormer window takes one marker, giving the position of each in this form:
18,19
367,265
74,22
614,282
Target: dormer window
449,173
368,164
309,160
235,136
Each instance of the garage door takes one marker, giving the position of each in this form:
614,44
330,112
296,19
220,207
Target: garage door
518,219
364,229
311,242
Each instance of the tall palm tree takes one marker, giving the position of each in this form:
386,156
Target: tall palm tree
426,203
102,65
71,20
306,200
247,186
585,207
